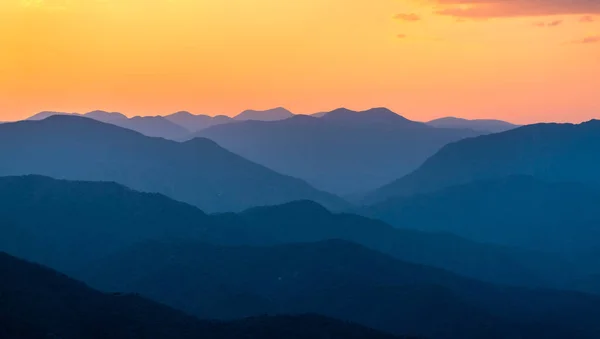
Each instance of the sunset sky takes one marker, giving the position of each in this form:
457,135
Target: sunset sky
520,60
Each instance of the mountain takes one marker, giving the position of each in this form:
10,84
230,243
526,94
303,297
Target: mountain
274,114
153,127
45,114
514,211
149,126
343,152
552,152
198,171
38,303
46,221
482,125
195,123
380,116
342,280
306,221
104,116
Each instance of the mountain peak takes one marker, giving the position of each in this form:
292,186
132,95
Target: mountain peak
484,125
104,115
46,114
278,113
377,115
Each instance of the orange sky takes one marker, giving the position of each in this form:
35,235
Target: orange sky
521,60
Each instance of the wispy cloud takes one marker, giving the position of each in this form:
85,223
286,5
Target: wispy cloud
401,36
587,19
407,17
587,40
483,9
548,24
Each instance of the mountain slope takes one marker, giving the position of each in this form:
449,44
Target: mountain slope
154,127
274,114
482,125
346,281
36,302
150,126
198,172
46,221
555,152
343,152
194,122
515,211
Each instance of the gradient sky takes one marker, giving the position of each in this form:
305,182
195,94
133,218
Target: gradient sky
520,60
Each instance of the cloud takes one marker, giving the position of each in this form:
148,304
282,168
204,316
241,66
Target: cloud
407,17
485,9
548,24
587,18
402,36
588,40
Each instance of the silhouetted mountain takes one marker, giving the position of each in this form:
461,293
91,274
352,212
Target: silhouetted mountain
38,303
47,220
342,152
149,126
66,224
153,127
195,123
198,172
554,152
274,114
45,114
375,116
110,117
482,125
347,281
515,211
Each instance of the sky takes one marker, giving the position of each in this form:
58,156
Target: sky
520,60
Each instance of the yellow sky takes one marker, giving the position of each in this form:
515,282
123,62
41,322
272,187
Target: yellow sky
421,58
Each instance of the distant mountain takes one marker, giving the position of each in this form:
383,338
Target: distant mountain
149,126
343,152
38,303
195,123
106,116
274,114
308,222
45,114
482,125
514,211
153,127
553,152
376,116
198,172
47,220
343,280
42,220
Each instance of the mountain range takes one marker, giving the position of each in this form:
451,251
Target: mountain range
39,303
481,125
150,126
274,114
198,171
517,211
343,152
194,122
552,152
43,217
176,126
345,281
